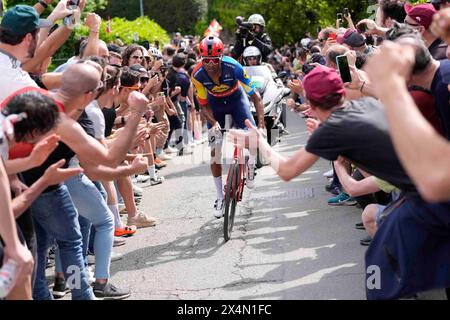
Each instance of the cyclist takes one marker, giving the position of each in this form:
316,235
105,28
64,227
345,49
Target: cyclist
222,86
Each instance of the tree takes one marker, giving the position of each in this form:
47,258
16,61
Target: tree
174,15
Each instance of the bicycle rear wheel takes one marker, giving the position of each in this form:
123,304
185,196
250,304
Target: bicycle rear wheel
231,199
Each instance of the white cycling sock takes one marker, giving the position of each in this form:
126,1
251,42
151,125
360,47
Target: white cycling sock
115,211
219,187
152,172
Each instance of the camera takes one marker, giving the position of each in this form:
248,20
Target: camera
346,12
70,19
340,16
243,27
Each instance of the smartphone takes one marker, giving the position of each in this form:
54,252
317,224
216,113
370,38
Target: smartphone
344,68
340,16
346,13
71,5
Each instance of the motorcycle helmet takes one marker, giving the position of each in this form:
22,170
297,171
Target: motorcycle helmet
252,52
257,19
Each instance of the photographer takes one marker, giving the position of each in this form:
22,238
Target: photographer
251,33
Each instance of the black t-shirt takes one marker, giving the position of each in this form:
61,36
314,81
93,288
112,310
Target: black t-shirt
359,132
439,89
438,49
110,118
61,152
180,79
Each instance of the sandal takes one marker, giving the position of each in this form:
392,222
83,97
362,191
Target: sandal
125,231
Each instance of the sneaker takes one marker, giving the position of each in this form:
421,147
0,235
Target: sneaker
366,241
52,252
164,156
138,190
115,256
125,231
169,150
142,179
157,180
60,288
186,150
142,221
108,291
250,182
123,211
329,174
118,241
218,208
342,199
159,164
360,226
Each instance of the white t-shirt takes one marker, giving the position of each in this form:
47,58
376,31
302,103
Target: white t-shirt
12,77
95,114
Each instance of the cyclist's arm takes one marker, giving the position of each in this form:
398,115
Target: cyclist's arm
202,98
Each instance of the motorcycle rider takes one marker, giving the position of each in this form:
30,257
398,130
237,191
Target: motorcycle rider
253,36
251,58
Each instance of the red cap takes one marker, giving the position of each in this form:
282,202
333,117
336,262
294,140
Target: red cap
421,13
321,82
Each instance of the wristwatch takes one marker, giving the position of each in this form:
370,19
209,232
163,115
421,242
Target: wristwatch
42,3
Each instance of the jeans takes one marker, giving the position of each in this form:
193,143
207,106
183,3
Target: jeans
186,134
102,191
55,217
92,206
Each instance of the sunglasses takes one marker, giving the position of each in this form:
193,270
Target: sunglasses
137,57
144,79
134,88
210,60
411,24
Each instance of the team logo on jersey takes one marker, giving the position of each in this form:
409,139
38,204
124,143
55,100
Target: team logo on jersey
220,89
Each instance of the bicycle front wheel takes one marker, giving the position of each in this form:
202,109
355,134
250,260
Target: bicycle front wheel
231,195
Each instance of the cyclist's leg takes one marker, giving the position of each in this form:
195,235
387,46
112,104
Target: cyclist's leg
216,153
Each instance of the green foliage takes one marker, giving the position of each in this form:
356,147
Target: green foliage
91,5
173,15
145,28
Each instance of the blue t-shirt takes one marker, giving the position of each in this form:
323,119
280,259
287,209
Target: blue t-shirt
439,89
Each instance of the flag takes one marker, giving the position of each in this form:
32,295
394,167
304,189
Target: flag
108,25
214,29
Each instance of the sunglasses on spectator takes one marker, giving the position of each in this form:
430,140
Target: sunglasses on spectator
211,60
133,88
144,79
411,24
137,57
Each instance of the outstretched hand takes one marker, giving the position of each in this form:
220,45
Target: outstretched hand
246,139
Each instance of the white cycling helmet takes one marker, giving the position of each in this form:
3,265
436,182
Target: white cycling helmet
257,19
252,52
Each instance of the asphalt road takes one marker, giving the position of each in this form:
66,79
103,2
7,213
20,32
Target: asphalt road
291,246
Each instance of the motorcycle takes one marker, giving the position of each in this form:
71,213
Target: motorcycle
273,94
